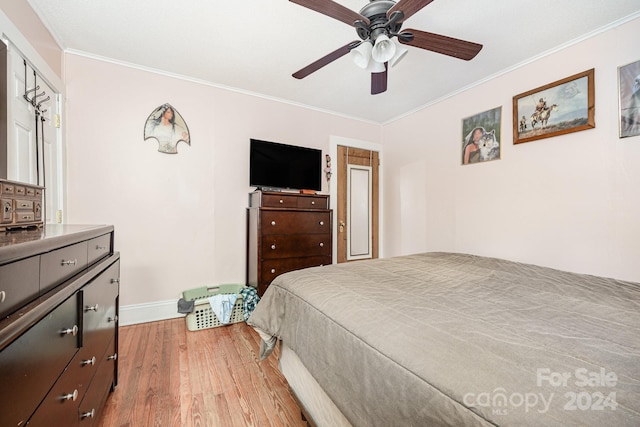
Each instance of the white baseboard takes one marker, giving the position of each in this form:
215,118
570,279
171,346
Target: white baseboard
149,312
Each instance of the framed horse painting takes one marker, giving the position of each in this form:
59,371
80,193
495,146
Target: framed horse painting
561,107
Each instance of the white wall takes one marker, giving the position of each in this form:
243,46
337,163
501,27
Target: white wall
180,219
568,202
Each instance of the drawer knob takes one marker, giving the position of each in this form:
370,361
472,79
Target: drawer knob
115,280
321,245
69,262
100,248
89,414
114,356
92,308
273,270
281,201
3,295
91,361
71,331
321,222
71,396
112,319
273,223
313,202
273,246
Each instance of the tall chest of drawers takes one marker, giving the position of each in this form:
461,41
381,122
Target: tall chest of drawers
59,289
286,232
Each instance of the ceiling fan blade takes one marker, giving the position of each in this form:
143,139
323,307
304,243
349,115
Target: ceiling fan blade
333,10
327,59
379,81
408,7
457,48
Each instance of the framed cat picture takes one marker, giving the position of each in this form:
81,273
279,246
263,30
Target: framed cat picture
481,137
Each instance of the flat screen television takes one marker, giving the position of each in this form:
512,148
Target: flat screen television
280,166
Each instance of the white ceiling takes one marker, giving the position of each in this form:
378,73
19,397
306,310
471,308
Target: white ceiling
255,45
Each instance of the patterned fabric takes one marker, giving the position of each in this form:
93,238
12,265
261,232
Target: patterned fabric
249,300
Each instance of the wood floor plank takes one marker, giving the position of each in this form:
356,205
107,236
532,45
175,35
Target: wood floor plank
169,376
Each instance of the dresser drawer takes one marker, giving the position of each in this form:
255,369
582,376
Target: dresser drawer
313,202
24,205
7,188
24,216
62,402
296,245
279,200
98,247
284,200
19,284
273,268
61,264
101,384
99,310
298,222
33,362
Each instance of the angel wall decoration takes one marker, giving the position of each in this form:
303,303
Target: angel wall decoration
168,127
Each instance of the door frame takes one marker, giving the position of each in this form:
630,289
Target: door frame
334,141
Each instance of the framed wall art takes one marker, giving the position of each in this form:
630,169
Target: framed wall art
561,107
481,137
629,99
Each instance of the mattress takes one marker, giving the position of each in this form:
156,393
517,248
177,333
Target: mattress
316,404
453,339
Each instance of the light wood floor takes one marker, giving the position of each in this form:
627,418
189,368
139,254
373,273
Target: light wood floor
170,376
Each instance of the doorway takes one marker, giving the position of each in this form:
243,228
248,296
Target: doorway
358,199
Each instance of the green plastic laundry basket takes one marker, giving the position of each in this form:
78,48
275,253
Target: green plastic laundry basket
203,316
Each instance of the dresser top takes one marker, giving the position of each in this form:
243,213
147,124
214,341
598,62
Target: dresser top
18,244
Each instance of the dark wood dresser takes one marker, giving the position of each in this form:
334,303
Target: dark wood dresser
286,232
59,288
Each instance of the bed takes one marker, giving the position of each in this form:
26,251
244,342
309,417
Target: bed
444,339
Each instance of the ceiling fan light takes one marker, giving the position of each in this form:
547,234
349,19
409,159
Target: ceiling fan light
362,54
384,49
376,67
401,51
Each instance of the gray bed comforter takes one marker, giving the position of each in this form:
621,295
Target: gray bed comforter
459,340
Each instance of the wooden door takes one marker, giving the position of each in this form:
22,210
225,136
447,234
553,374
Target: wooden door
357,212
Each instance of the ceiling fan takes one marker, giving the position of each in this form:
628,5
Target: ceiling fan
376,24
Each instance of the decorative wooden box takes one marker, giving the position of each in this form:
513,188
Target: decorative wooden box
21,205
